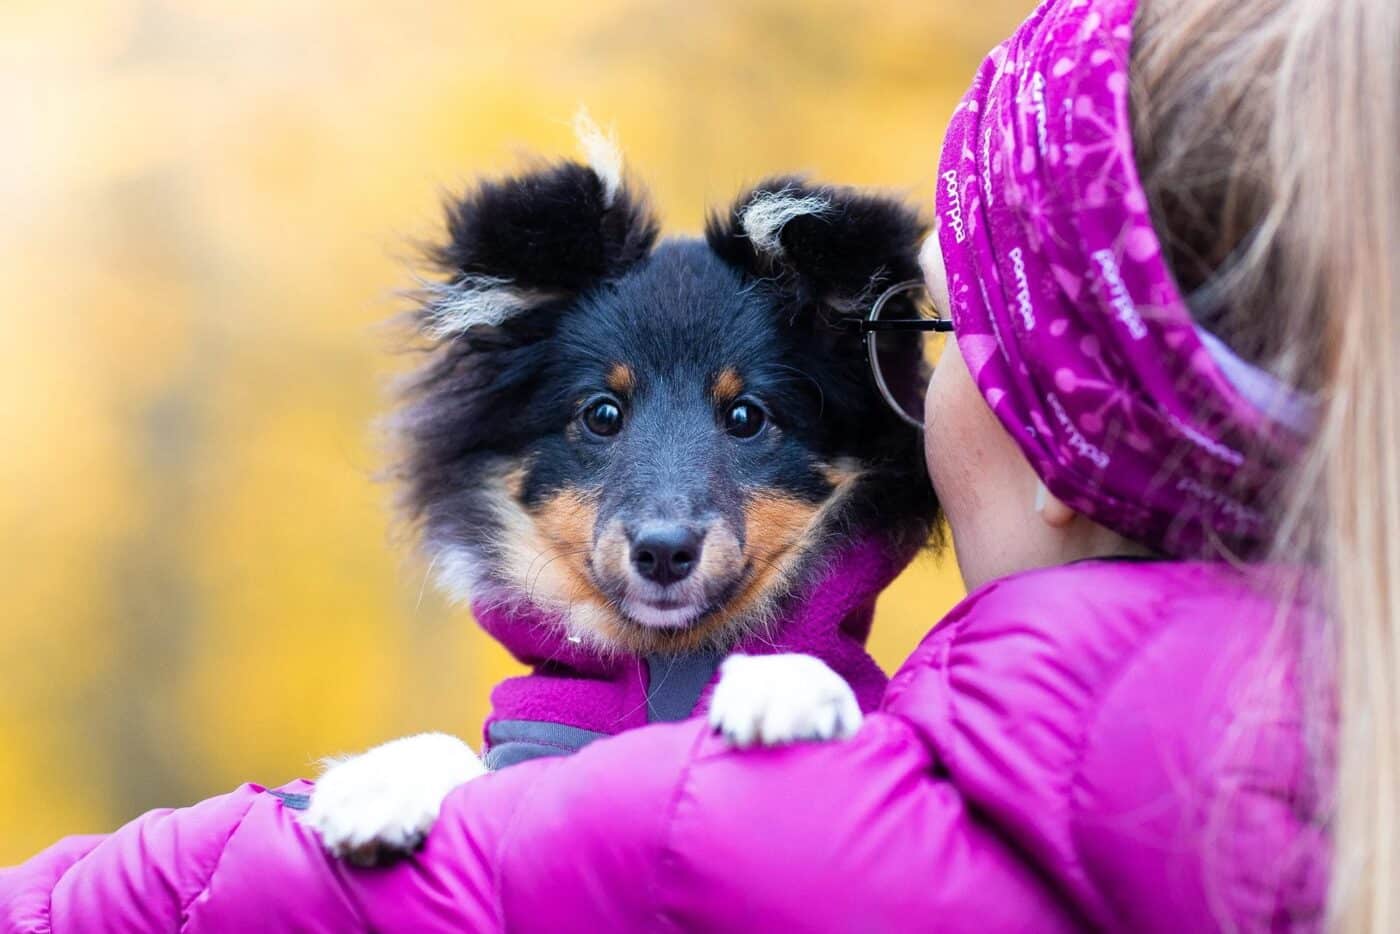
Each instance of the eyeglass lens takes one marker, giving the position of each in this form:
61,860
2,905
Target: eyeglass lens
903,360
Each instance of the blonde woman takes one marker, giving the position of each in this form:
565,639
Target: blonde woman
1167,438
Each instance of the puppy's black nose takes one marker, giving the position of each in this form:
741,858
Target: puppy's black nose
666,553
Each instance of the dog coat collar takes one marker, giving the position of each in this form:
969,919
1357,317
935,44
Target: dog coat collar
575,695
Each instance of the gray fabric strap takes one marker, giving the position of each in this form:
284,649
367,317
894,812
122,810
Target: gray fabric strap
515,741
674,685
293,800
675,682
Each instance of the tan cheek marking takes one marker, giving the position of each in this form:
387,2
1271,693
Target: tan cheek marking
775,523
728,385
548,547
566,519
546,555
621,379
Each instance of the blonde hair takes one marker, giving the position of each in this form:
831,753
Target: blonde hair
1265,133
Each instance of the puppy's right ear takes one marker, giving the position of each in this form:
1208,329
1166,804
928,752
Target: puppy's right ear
532,240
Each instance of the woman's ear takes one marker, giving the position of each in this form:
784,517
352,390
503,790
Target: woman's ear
1051,509
935,273
827,246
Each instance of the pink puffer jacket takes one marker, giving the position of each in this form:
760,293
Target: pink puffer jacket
1106,744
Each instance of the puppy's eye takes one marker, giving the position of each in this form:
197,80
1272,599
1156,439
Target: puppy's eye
603,418
744,420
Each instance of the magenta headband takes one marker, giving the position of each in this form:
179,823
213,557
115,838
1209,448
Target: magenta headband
1066,313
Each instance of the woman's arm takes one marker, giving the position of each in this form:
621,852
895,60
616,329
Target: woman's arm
662,826
667,826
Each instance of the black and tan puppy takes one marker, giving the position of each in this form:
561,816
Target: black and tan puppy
652,442
652,438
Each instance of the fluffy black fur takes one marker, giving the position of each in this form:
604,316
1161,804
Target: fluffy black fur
552,230
829,259
493,401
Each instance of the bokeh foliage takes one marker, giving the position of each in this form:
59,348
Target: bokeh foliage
206,209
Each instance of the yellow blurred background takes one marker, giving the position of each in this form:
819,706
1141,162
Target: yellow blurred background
206,206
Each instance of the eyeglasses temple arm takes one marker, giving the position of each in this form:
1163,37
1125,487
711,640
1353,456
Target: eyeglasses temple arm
939,325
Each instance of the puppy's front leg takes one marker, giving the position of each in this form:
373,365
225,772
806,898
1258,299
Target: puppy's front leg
369,807
775,699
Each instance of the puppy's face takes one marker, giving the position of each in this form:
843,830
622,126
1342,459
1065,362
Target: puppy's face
659,453
687,469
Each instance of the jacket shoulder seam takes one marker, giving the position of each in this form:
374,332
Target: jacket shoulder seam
668,851
497,893
1088,723
507,838
223,851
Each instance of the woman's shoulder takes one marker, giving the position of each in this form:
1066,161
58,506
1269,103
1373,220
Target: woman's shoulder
1046,653
1116,717
1094,614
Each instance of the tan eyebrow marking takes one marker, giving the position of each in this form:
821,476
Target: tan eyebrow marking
514,481
728,385
621,379
841,473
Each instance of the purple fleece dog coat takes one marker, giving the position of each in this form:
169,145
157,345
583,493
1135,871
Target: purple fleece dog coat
575,694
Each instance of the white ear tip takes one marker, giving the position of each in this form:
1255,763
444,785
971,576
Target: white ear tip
764,217
602,152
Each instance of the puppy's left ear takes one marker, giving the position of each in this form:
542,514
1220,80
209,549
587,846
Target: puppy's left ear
828,246
533,241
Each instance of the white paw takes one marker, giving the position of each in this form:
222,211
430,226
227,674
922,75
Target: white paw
776,699
372,806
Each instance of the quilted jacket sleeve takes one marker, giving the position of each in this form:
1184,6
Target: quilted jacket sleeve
660,827
667,829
